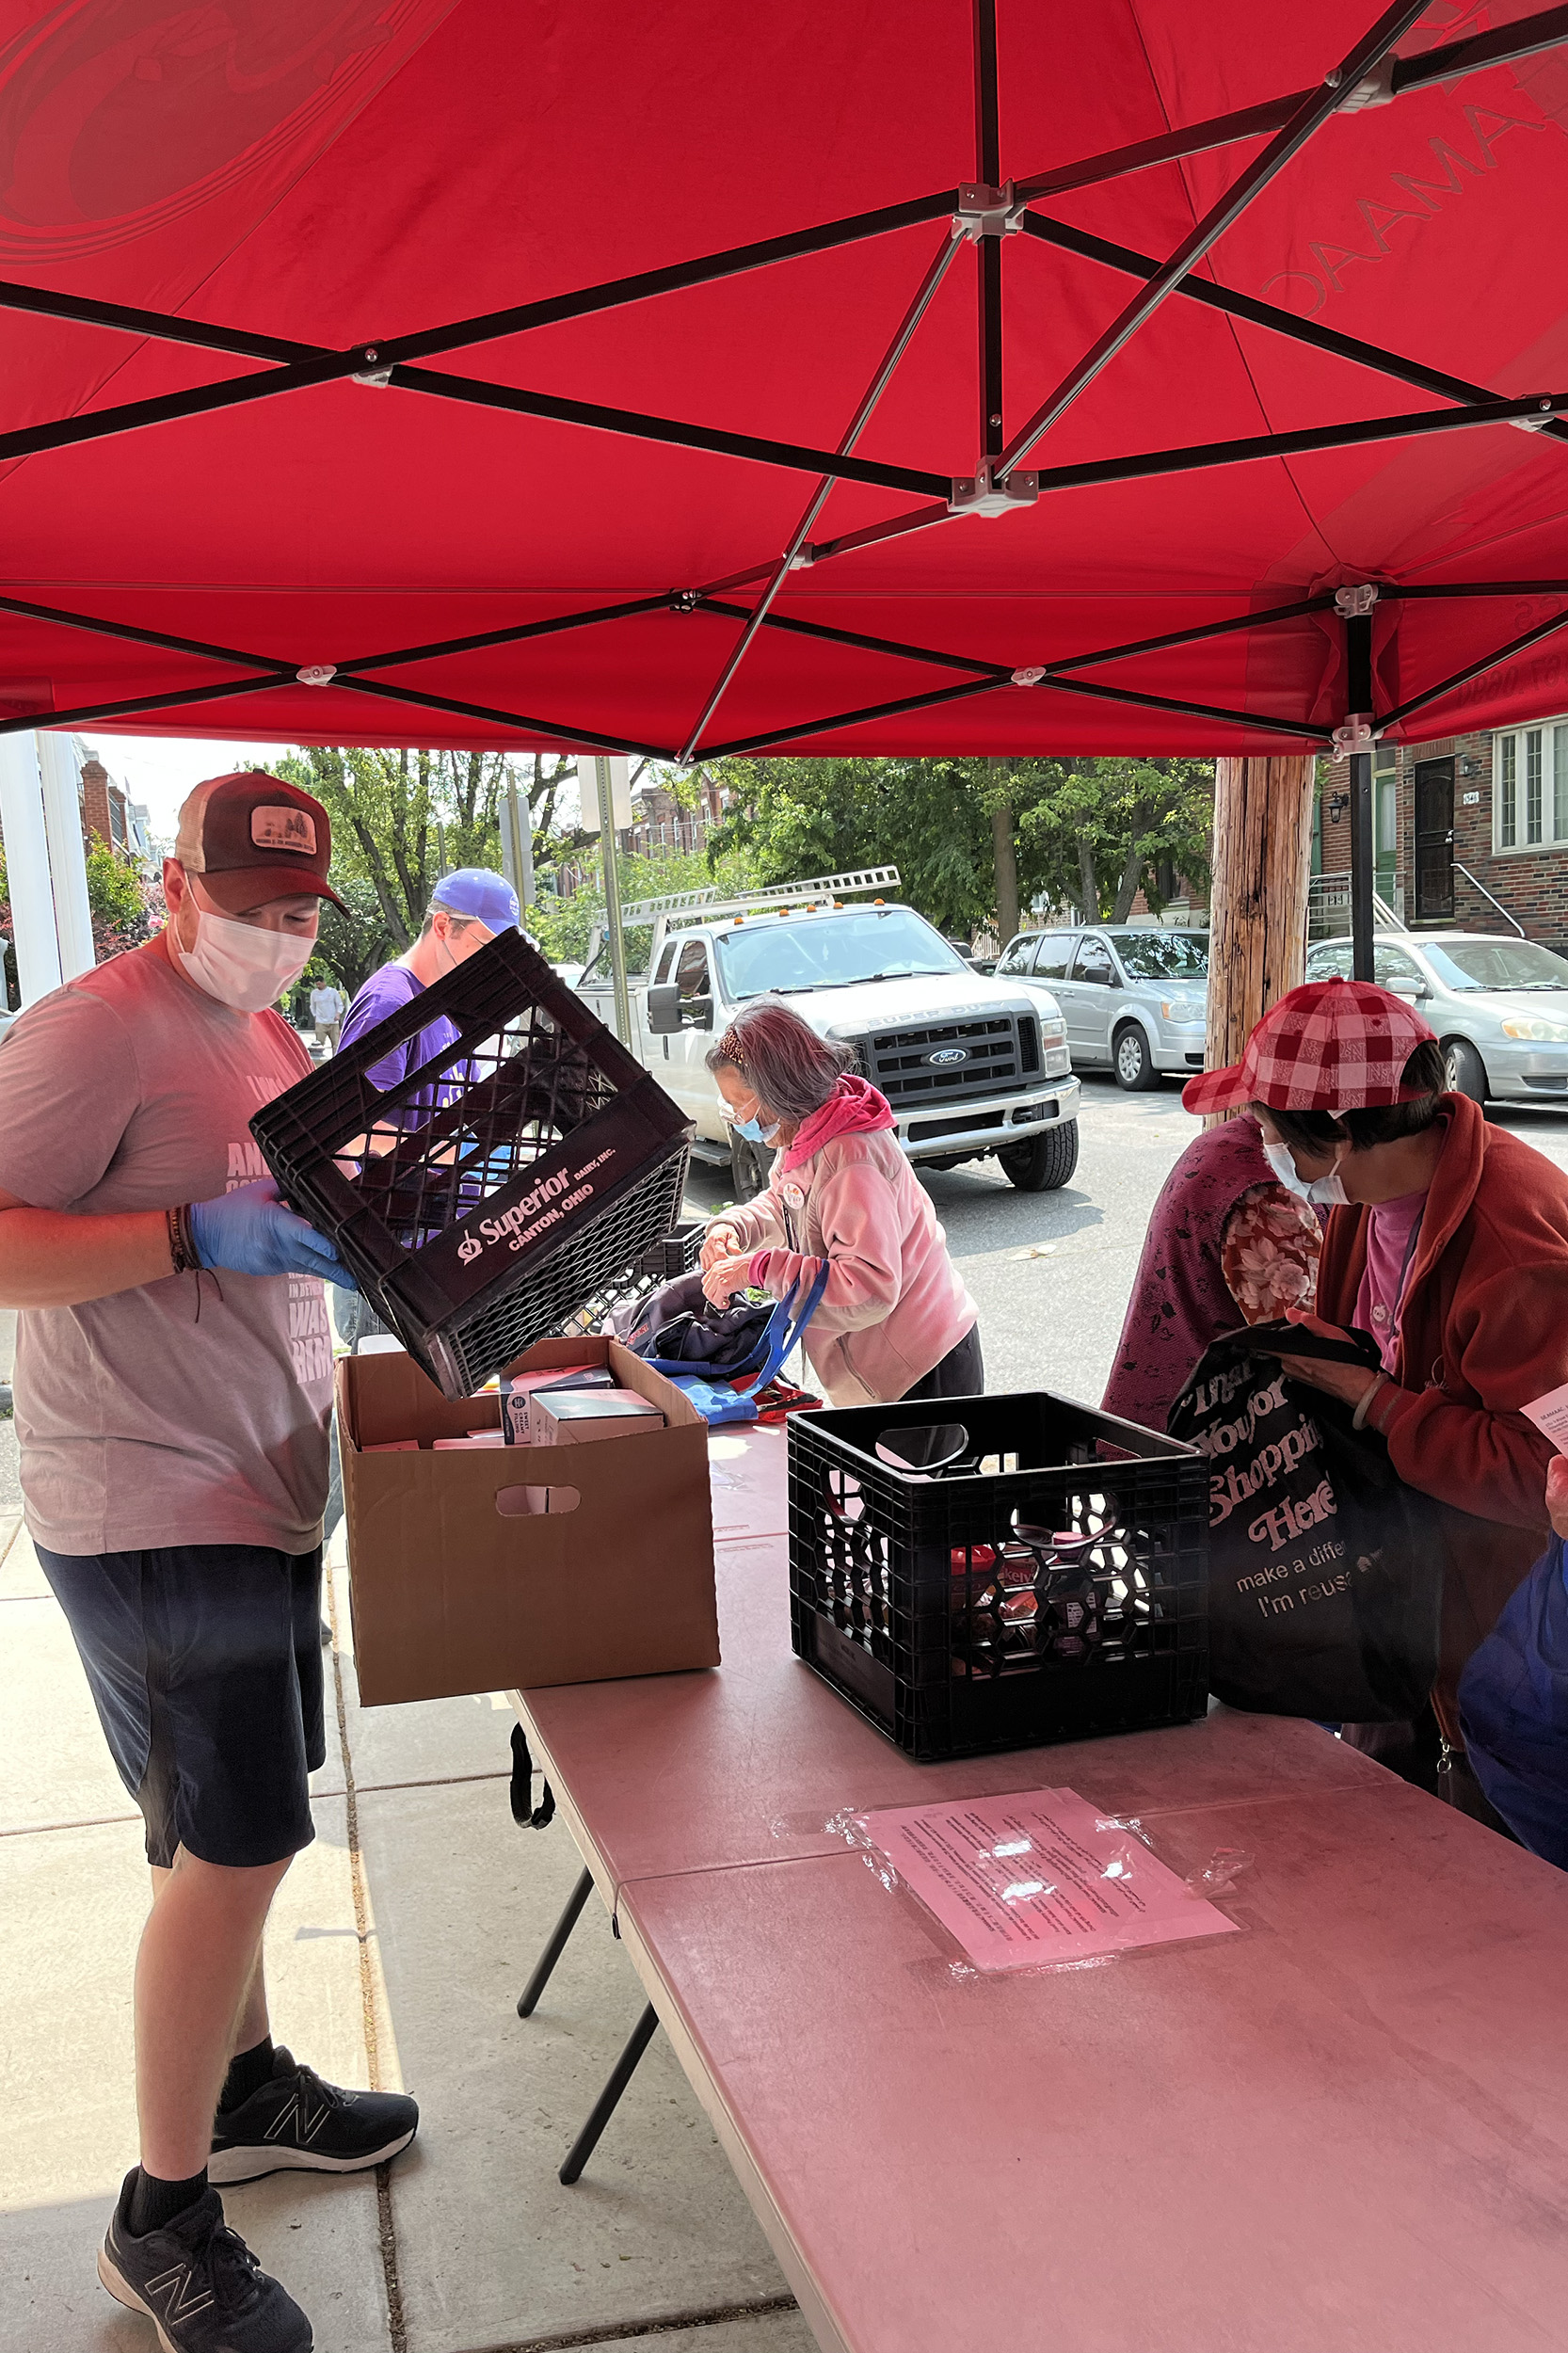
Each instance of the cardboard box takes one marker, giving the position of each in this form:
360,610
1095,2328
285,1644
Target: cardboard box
457,1586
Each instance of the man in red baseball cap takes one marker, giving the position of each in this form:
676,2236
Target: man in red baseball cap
173,1439
1448,1240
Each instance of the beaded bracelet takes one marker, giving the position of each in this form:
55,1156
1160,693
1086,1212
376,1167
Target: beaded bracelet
181,1244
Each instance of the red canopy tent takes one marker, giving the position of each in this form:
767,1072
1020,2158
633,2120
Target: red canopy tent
1131,377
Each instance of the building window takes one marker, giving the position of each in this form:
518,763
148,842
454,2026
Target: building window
1529,796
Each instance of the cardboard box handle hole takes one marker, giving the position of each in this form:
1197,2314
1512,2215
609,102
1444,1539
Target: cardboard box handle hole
517,1503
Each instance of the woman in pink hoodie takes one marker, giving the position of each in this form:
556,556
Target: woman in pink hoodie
894,1320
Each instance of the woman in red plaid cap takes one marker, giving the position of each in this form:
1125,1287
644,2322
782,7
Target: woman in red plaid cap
1448,1240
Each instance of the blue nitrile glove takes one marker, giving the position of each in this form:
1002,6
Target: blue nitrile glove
248,1231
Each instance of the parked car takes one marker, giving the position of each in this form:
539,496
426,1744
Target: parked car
1498,1004
1135,999
971,1067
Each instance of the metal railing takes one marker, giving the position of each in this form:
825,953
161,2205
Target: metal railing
1328,907
1486,894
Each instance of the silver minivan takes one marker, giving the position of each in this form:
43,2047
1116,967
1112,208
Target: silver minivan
1134,996
1498,1004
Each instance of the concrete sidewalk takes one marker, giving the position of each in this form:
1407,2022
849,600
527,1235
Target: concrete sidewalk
395,1953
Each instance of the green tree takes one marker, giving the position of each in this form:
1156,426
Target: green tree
564,926
1088,832
400,820
1108,827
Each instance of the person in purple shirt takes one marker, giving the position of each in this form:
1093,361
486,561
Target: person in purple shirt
466,909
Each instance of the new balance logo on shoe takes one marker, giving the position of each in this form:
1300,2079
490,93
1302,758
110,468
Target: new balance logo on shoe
182,2291
301,2120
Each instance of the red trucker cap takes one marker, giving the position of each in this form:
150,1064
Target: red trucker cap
251,837
1332,1045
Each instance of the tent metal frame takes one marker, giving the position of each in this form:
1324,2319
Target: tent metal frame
983,213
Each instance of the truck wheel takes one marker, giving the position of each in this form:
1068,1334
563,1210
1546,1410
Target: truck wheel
749,1167
1463,1072
1046,1162
1131,1060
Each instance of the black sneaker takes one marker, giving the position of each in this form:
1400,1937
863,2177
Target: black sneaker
198,2284
297,2124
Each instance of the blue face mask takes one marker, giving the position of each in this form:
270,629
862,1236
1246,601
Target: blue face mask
754,1131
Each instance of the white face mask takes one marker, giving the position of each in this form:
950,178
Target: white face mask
242,965
1324,1192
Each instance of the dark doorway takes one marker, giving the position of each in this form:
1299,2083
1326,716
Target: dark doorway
1434,842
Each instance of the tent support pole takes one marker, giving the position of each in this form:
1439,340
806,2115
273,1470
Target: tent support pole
940,263
1257,910
1061,235
615,931
1476,669
1317,109
1361,857
1358,687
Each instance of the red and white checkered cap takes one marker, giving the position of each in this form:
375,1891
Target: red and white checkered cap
1334,1046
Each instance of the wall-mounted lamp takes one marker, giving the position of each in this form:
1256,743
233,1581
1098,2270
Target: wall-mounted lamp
1337,803
1469,767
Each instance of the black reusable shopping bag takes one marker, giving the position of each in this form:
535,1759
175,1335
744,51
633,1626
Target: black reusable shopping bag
1325,1571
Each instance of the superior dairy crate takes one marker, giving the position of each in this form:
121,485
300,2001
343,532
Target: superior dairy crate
482,1201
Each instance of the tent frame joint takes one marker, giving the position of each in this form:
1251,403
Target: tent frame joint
1352,602
989,492
987,212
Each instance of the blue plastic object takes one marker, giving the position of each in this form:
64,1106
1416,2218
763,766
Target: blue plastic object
720,1401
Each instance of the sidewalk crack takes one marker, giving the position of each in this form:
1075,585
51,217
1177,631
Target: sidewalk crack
668,2324
397,2331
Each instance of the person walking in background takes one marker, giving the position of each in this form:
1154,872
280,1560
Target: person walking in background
1228,1244
894,1320
328,1006
1448,1240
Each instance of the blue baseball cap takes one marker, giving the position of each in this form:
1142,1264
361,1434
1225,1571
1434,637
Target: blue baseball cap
483,897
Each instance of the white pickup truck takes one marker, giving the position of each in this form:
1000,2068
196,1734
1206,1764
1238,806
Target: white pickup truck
969,1064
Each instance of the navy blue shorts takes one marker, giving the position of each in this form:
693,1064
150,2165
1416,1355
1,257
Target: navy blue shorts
204,1662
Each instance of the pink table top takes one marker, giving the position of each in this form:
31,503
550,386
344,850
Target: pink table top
667,1773
1345,2131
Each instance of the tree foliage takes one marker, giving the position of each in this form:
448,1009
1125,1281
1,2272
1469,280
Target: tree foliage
1089,833
400,820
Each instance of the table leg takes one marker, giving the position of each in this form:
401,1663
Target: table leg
608,2099
528,1998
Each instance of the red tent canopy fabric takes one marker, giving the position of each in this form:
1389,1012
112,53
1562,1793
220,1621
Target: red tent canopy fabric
221,228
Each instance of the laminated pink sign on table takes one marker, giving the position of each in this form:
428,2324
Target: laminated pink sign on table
1038,1878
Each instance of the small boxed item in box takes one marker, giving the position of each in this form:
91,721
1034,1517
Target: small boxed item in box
568,1417
518,1387
463,1579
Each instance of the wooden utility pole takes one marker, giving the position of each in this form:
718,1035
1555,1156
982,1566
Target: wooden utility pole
1005,850
1257,911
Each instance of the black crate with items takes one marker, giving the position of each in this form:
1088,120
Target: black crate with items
524,1170
1022,1570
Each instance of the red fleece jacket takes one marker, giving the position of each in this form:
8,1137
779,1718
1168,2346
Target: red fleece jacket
1483,1330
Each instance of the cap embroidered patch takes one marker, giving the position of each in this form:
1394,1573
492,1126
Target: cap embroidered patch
284,828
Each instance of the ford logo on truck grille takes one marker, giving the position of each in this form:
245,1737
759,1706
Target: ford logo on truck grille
950,1055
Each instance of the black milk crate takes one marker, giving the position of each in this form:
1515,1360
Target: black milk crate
524,1170
677,1254
913,1594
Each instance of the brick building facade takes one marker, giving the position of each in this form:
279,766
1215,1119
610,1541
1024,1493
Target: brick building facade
1501,796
